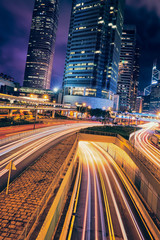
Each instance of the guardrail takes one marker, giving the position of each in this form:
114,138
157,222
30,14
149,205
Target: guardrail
39,107
29,228
72,205
24,134
98,133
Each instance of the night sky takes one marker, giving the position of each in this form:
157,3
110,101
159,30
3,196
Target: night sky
15,22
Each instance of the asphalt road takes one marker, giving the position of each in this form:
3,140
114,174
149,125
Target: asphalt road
24,151
140,140
105,209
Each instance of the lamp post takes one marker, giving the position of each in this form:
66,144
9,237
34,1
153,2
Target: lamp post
87,108
35,118
80,107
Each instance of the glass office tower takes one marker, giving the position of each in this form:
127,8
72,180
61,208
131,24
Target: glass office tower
41,44
128,69
93,51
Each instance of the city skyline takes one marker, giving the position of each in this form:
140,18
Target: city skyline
16,24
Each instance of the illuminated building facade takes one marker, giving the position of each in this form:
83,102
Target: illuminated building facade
93,52
128,69
41,44
155,97
7,84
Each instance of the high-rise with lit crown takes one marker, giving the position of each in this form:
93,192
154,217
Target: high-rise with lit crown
93,51
41,44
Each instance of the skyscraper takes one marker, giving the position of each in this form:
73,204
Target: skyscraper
128,69
135,82
93,51
155,97
41,44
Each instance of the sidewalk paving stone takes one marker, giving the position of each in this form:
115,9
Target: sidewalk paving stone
27,190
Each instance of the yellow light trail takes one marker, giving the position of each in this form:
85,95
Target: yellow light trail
86,203
109,220
75,207
122,194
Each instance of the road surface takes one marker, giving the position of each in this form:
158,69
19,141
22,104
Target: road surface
104,209
140,140
24,151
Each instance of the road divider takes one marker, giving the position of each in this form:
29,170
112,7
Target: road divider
23,134
51,222
70,216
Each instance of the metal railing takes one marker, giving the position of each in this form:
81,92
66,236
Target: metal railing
99,133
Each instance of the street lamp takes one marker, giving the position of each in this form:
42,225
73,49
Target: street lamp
80,106
45,96
55,90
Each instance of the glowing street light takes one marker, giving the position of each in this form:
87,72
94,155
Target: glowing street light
32,96
55,90
45,96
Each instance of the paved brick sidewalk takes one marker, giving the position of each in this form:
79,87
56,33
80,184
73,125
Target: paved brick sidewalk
26,192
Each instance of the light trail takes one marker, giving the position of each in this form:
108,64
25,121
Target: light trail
100,171
96,203
113,197
19,150
96,192
101,209
22,154
140,140
87,211
33,137
121,193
